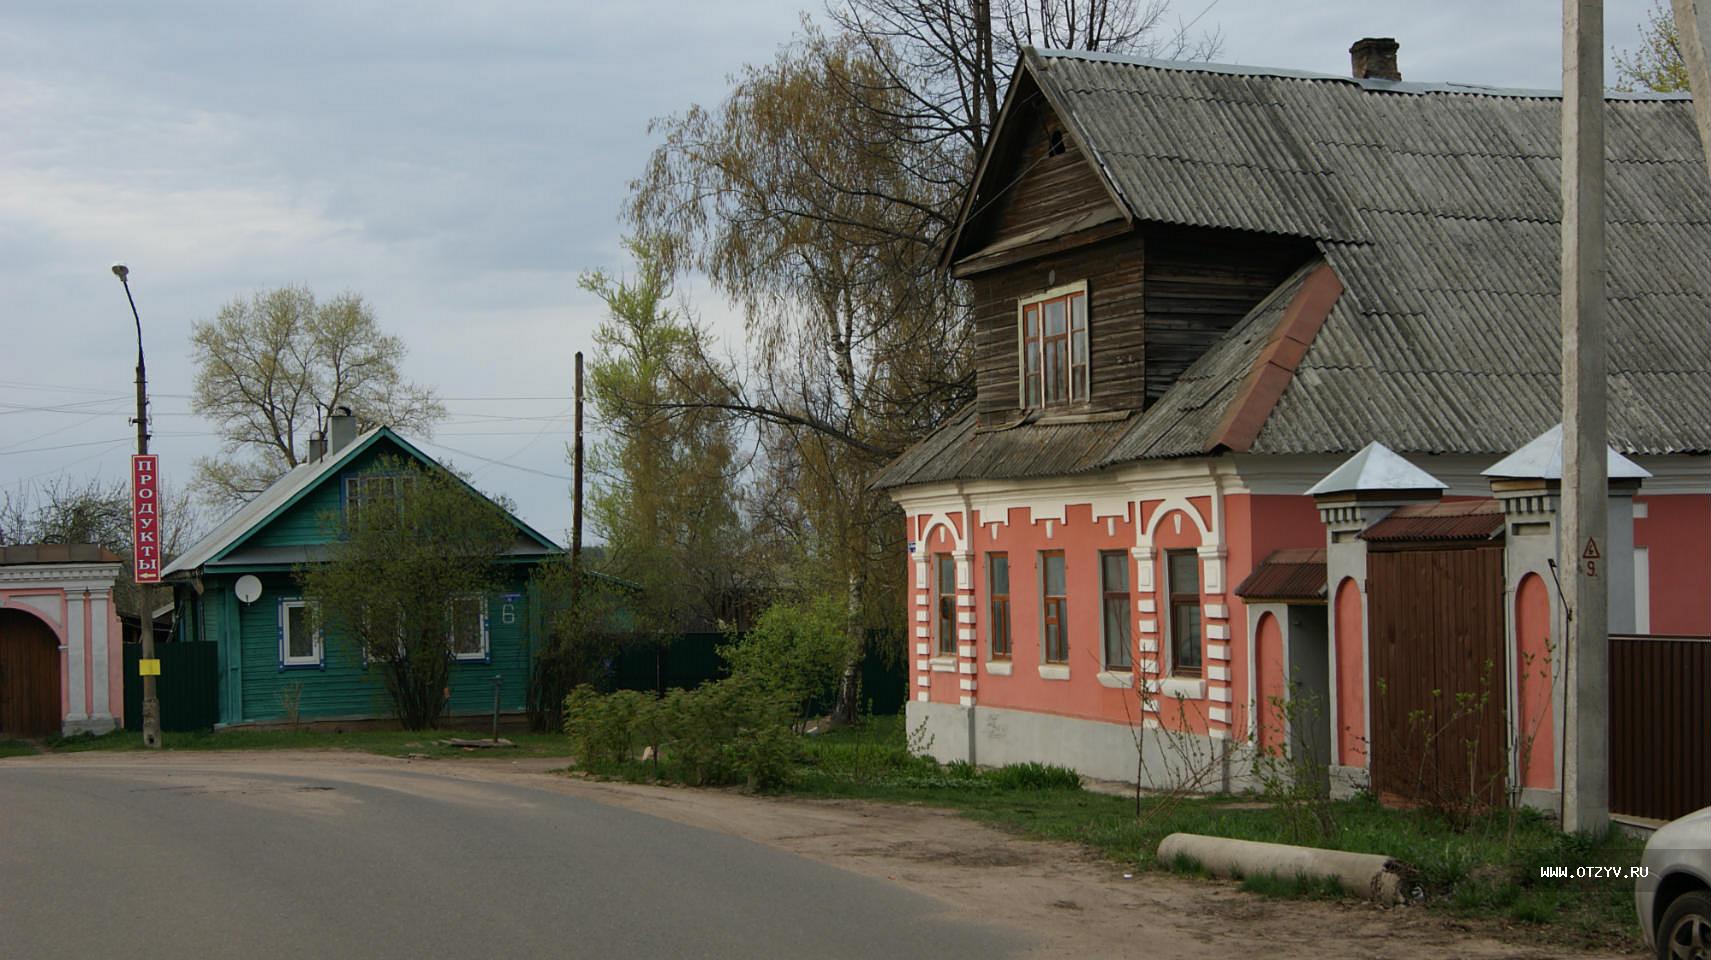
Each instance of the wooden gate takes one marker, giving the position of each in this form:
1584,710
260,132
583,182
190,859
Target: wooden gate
1435,619
1660,725
29,677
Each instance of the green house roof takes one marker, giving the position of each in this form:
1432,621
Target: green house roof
225,545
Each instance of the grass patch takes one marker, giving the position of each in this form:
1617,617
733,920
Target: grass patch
1297,887
1487,871
17,748
391,743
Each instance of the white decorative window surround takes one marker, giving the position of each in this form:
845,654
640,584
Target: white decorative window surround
967,683
923,681
1219,714
944,665
300,643
1217,631
1122,681
920,649
1054,671
1218,672
922,697
1218,651
998,668
1220,694
1185,687
1149,646
1217,611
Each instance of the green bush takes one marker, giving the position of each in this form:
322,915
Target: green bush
602,726
798,649
726,732
1034,776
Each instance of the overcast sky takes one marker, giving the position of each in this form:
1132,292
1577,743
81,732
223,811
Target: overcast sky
457,164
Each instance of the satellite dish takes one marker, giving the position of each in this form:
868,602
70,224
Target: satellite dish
248,588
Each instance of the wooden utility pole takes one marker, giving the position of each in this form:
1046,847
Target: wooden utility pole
1585,488
576,492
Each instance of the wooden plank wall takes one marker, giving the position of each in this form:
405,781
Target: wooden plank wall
1199,283
1660,725
1113,271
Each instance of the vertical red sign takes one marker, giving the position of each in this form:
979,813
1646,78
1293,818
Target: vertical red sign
145,517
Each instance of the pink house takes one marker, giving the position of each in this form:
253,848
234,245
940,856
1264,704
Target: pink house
1201,290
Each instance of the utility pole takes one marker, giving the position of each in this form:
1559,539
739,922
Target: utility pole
151,703
1585,486
1691,30
576,493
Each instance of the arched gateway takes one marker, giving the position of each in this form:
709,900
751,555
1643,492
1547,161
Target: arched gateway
60,654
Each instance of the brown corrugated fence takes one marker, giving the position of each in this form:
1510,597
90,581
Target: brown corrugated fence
1660,725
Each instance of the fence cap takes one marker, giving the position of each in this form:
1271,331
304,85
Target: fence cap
1376,468
1541,459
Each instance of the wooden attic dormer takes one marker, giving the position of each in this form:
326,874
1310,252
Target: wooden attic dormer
1035,190
1042,224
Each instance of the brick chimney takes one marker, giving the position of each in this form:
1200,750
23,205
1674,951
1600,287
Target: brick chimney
1375,58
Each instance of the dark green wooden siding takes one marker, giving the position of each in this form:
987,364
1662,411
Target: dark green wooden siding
344,687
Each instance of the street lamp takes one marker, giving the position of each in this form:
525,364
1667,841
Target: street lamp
151,704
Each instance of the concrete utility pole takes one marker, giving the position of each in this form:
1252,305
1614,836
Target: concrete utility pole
1585,487
1691,30
151,702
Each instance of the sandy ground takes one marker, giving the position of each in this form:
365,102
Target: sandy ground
1074,903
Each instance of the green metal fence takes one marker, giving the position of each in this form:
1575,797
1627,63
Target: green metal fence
188,686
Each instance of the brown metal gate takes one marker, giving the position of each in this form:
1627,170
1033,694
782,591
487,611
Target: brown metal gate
1438,679
1660,725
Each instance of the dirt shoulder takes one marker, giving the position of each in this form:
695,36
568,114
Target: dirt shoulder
1077,904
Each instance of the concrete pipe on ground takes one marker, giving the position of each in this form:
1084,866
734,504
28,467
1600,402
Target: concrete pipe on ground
1359,874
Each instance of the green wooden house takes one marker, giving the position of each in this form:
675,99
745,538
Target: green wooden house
236,588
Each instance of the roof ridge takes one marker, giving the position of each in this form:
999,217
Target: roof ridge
1370,85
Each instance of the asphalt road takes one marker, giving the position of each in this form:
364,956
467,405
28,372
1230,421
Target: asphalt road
180,858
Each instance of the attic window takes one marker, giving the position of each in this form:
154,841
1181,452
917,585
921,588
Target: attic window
1054,143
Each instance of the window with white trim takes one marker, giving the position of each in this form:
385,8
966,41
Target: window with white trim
1052,330
467,632
299,636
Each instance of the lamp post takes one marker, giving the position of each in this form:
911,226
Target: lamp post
151,704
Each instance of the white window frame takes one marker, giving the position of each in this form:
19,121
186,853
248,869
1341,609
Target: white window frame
1022,303
485,654
319,657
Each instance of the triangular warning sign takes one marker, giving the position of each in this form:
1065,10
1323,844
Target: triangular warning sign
1591,551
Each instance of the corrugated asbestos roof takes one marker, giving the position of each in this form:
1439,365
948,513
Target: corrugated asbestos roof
1438,207
1296,574
1451,520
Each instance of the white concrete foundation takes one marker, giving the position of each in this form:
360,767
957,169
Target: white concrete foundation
996,737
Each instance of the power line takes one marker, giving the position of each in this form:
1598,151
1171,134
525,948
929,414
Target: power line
497,463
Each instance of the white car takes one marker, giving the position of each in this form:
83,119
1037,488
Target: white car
1673,899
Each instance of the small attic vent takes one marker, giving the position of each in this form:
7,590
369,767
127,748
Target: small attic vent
1054,143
